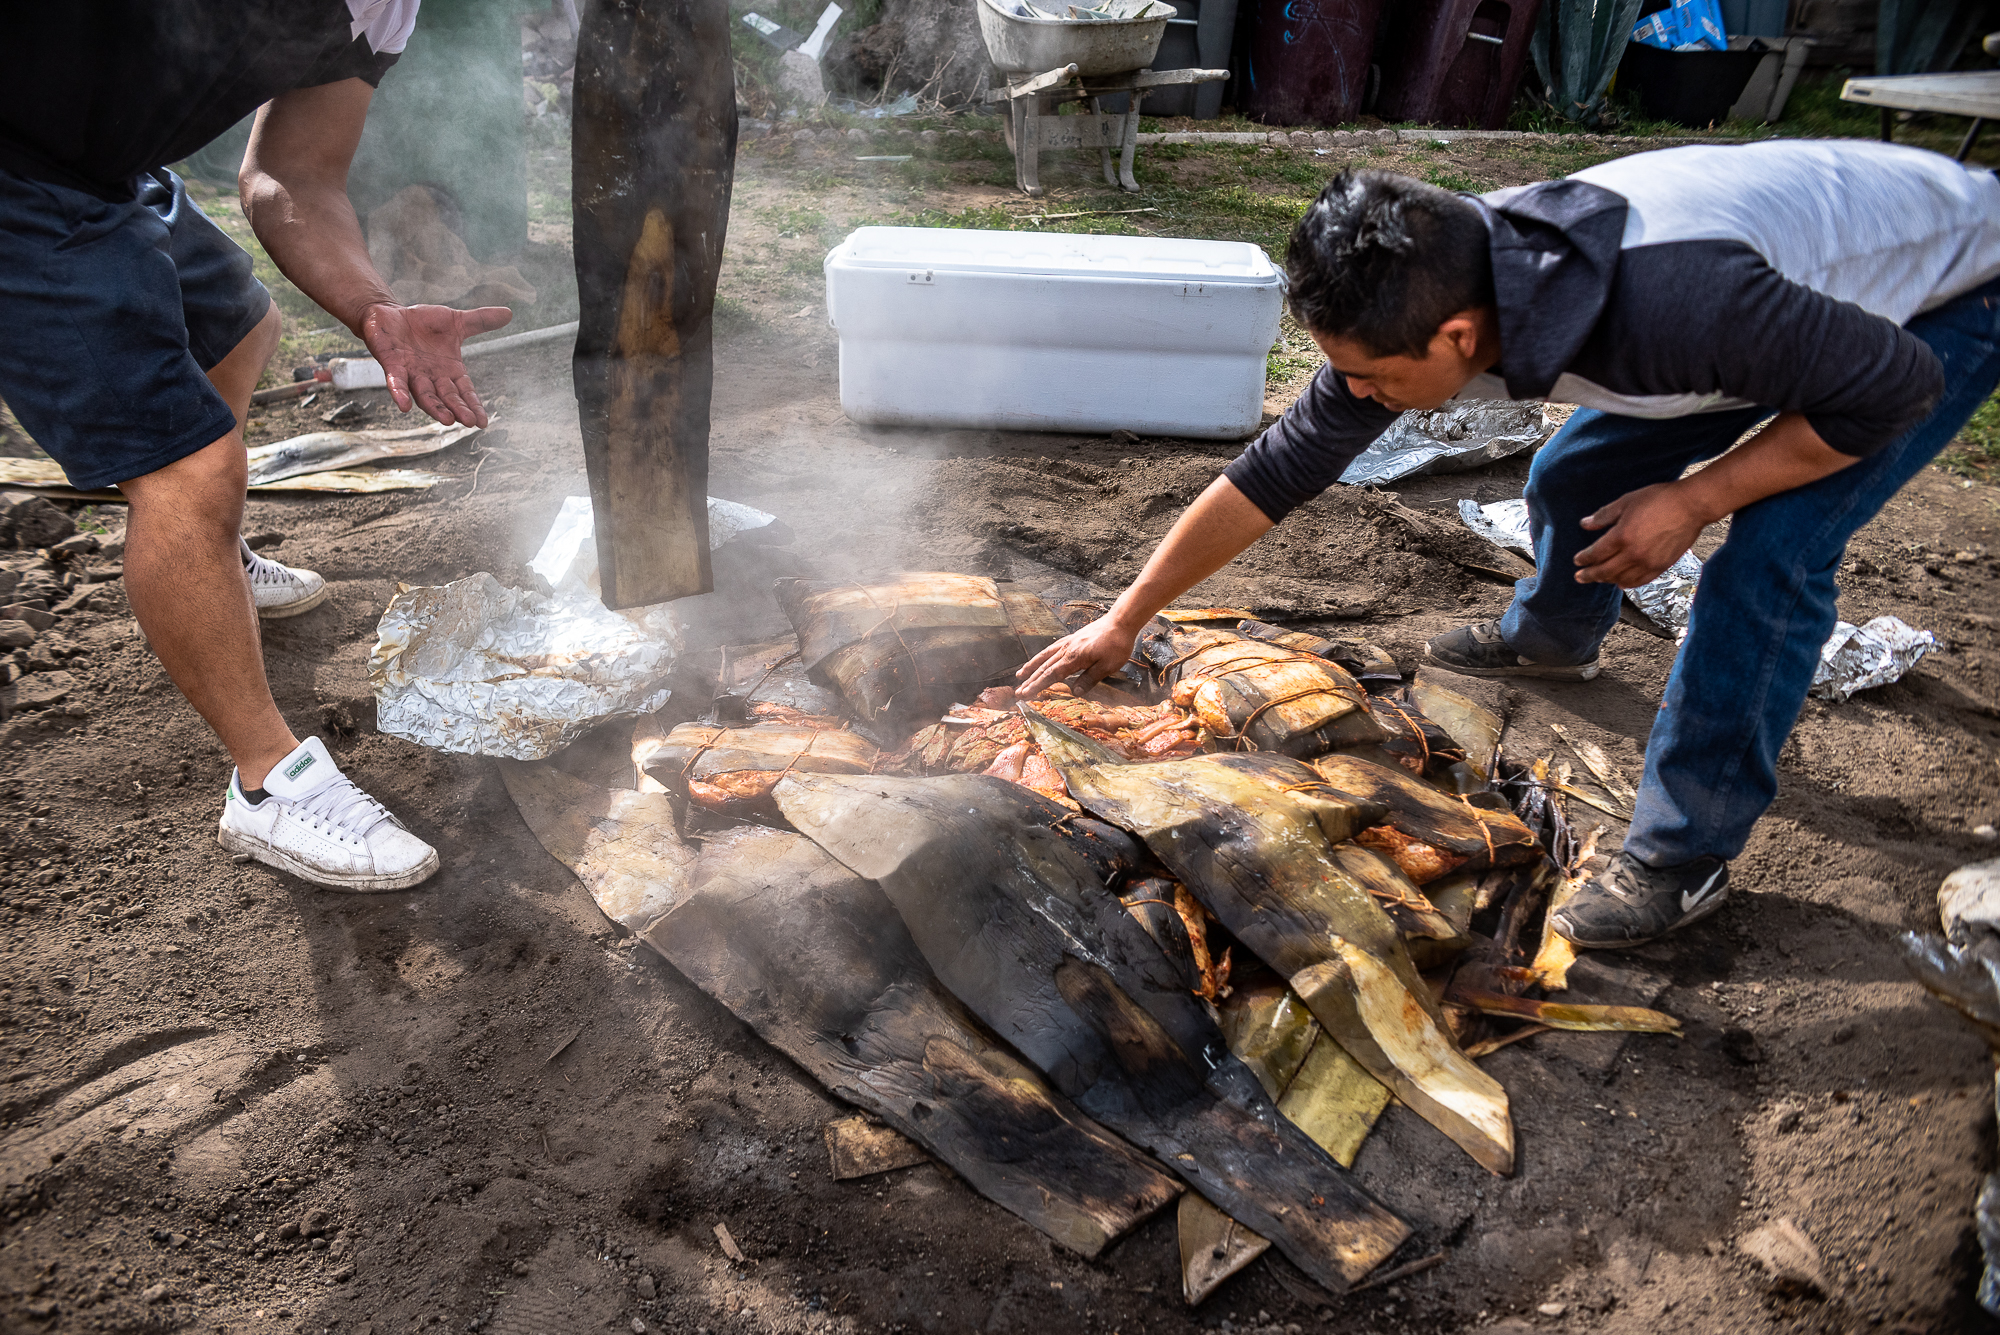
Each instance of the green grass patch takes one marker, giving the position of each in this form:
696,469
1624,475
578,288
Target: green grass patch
1976,452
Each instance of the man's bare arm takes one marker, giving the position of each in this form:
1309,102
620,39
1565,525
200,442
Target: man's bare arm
1650,528
294,189
1208,536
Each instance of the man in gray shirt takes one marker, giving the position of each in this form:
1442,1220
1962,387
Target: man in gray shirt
1845,294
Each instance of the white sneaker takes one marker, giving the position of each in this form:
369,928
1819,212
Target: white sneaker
316,824
280,590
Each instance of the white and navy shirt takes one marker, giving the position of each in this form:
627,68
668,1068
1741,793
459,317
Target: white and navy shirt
105,90
1775,275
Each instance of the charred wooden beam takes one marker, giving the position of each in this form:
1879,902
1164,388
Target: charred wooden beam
654,149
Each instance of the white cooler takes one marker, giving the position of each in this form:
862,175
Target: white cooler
1038,331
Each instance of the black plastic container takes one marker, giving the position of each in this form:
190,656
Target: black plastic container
1693,88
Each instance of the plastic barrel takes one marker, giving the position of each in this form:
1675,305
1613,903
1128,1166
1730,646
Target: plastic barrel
1308,60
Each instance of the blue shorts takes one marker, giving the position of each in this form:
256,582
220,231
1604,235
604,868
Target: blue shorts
110,317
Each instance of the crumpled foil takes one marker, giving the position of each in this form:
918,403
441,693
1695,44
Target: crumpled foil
1667,599
1451,439
1873,654
481,669
1856,658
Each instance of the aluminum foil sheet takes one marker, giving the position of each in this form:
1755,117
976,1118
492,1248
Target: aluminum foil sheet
1667,599
1873,654
482,669
1450,439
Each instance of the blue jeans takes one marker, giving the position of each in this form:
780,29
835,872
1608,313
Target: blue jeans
1765,603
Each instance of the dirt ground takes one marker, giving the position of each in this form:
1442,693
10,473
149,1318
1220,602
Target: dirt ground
232,1103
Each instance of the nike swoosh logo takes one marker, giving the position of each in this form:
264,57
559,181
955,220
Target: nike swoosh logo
1693,899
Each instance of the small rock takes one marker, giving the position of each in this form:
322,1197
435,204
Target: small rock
78,599
154,1293
520,1267
1985,832
44,689
647,1288
177,1240
40,1311
1553,1309
286,1232
20,635
1788,1255
33,521
1785,1118
36,617
77,544
638,1326
315,1222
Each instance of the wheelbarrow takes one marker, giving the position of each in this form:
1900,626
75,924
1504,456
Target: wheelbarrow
1048,62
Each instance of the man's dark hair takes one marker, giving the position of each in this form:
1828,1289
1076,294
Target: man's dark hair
1384,260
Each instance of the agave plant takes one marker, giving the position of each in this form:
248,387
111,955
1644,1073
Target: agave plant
1577,45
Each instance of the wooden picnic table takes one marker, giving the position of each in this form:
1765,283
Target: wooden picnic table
1975,93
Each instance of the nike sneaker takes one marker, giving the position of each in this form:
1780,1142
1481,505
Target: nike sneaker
315,823
1630,903
1478,651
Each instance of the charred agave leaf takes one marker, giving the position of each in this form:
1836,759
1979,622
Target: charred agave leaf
1414,743
1262,696
903,649
1019,928
1360,659
730,771
817,961
1319,1088
1474,838
1475,728
1251,835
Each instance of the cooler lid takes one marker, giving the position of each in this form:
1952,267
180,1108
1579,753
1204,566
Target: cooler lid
1055,254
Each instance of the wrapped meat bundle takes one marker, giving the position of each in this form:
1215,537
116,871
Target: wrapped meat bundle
903,649
1263,697
1417,744
1428,834
992,737
731,771
1358,658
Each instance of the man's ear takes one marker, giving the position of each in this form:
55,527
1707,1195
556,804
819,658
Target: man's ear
1460,333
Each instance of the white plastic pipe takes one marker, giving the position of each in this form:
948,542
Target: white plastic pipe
366,372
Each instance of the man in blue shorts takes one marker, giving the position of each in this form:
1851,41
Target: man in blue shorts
132,333
1842,299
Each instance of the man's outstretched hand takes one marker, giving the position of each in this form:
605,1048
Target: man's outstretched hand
418,347
1096,651
1648,530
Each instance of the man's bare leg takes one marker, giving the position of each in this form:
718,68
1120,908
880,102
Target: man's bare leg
184,575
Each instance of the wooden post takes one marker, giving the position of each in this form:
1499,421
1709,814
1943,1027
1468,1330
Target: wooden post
654,148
